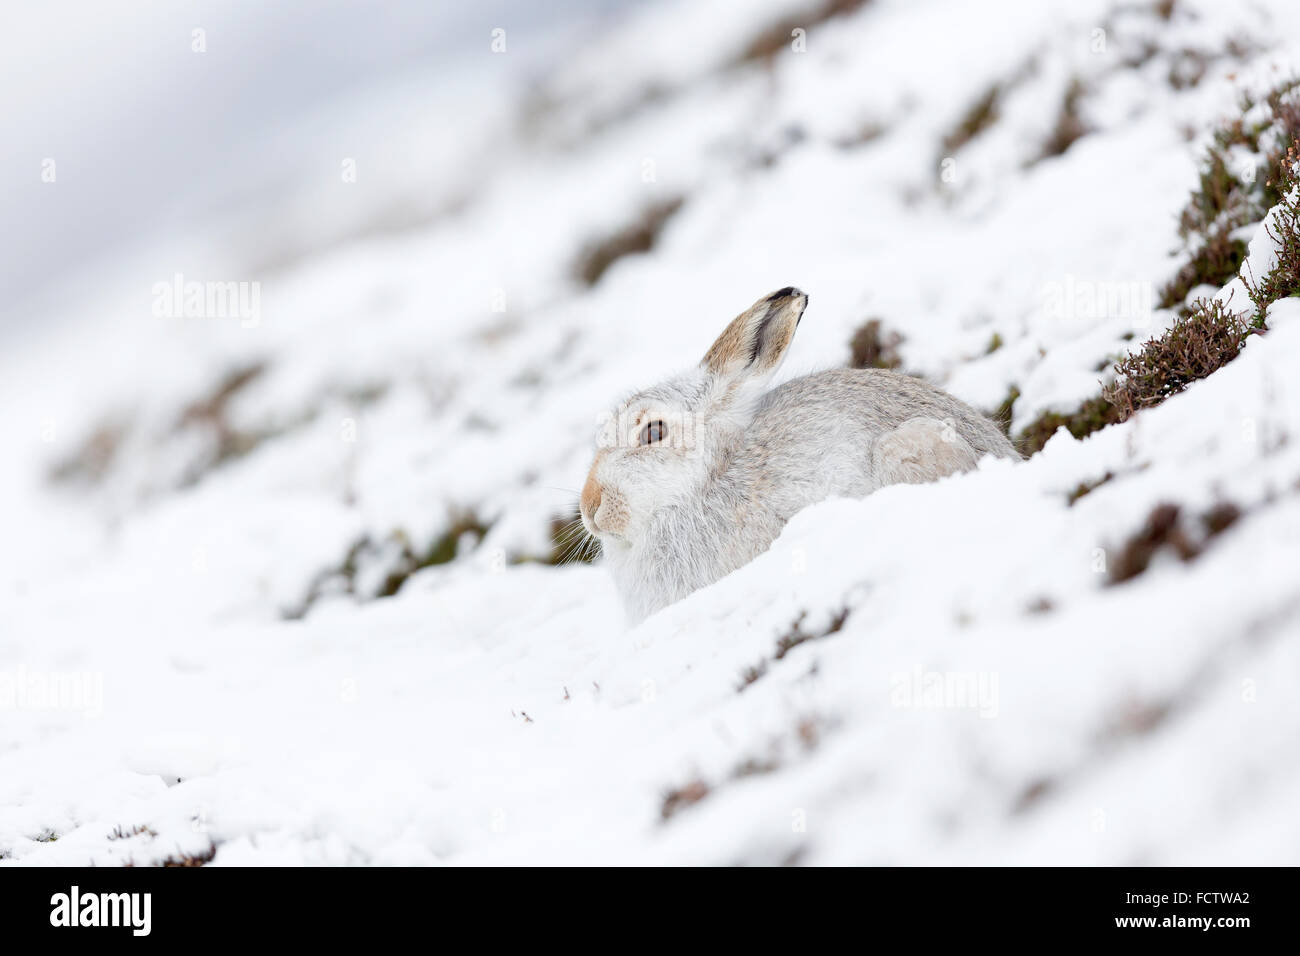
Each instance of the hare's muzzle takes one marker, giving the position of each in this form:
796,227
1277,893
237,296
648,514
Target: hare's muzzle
589,502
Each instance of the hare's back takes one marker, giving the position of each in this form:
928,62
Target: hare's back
848,404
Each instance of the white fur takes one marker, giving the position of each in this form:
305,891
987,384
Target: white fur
739,460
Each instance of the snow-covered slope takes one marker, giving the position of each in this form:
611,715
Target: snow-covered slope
204,517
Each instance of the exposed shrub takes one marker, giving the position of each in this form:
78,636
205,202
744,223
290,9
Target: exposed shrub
1087,487
1092,415
638,236
808,732
399,560
791,639
797,635
777,36
1214,262
1164,531
1283,279
1208,335
874,347
982,114
187,859
1069,124
678,798
1041,605
1191,349
442,550
1228,198
93,458
140,829
1220,518
1002,415
1161,530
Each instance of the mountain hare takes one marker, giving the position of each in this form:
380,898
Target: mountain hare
695,477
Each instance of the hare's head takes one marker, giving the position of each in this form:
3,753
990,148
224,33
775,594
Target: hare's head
662,445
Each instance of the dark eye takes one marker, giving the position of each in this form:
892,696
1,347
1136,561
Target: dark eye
653,432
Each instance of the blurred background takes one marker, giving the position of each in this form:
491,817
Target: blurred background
230,149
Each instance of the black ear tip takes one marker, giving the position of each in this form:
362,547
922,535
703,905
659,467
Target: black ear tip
789,292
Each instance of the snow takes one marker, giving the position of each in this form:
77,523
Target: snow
502,711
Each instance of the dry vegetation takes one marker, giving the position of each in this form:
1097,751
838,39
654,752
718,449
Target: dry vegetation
791,639
186,859
398,557
981,114
1165,531
777,37
872,346
636,237
1207,334
808,733
1070,126
1211,337
1229,195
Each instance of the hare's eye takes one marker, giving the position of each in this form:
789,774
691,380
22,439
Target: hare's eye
653,432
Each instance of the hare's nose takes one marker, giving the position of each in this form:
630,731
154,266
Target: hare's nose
589,503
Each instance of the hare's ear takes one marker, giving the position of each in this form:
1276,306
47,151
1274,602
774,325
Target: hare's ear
756,340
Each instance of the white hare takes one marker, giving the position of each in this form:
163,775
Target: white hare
695,477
